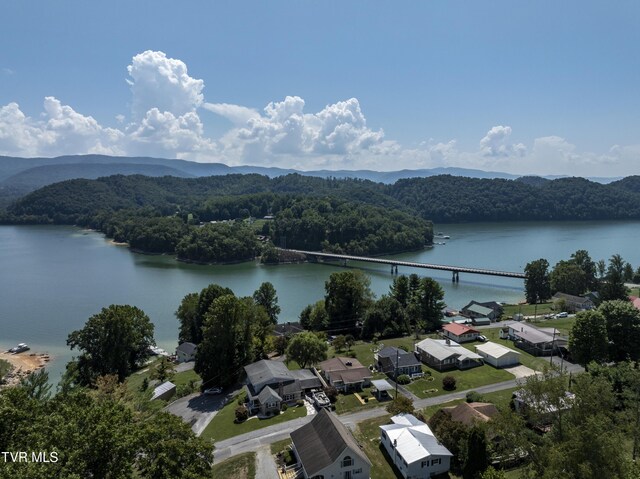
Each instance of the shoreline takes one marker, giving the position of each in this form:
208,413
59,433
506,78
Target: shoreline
23,364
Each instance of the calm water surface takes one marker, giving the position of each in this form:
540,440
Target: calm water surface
53,278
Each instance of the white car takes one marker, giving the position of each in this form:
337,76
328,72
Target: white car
564,314
213,391
482,338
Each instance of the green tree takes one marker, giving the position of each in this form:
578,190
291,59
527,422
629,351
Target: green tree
385,317
306,349
492,473
339,343
36,385
588,339
347,298
477,457
613,286
430,299
399,290
588,267
536,282
567,277
227,344
205,299
164,370
400,405
114,341
266,297
190,323
623,329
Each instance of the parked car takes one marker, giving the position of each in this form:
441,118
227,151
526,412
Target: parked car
213,391
482,338
563,314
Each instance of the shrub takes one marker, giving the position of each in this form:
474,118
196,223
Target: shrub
145,384
242,414
332,393
351,354
474,396
403,379
448,383
299,403
284,407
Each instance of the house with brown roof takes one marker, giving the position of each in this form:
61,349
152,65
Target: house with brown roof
346,374
326,449
468,413
460,333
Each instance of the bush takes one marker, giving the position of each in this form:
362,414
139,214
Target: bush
351,354
242,414
332,393
299,403
403,379
284,407
448,383
474,396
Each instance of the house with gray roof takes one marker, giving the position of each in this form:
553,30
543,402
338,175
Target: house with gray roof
346,374
395,361
413,448
536,341
444,355
271,383
573,303
480,314
326,449
186,352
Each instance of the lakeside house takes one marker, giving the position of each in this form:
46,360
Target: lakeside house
186,352
413,448
346,374
326,449
460,333
444,355
477,309
573,303
497,355
395,361
271,383
540,411
288,329
536,341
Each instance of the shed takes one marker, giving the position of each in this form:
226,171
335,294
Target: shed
497,355
164,392
382,388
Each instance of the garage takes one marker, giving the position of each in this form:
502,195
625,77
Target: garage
497,355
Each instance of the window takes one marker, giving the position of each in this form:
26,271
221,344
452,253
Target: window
424,463
357,471
436,461
347,461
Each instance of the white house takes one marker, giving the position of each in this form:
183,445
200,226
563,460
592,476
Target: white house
186,352
444,354
460,333
413,448
326,449
497,355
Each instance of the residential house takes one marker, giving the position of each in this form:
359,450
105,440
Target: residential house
444,354
395,361
346,374
470,413
540,411
164,391
635,301
460,333
479,314
326,449
413,448
573,303
492,305
497,355
271,383
186,352
536,341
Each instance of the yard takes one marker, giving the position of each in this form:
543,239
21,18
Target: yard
223,426
527,309
242,466
181,380
526,359
350,403
468,379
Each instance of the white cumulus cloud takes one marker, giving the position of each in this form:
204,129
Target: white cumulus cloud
496,143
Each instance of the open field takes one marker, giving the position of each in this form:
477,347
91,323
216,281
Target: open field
223,426
527,309
242,466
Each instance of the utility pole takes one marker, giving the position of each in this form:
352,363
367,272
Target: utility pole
552,344
396,378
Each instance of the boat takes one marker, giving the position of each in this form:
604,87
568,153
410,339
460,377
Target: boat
321,399
21,347
446,237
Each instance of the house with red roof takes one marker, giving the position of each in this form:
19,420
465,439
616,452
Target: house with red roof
635,301
460,333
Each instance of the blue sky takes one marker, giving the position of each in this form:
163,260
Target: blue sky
526,87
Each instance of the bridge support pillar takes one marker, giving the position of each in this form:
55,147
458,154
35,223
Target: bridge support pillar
455,277
344,263
394,269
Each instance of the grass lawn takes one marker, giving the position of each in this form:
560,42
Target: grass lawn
527,309
368,435
469,379
242,466
223,426
279,446
364,351
500,398
563,325
134,382
349,402
526,359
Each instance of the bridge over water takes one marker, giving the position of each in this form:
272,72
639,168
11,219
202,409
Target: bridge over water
394,263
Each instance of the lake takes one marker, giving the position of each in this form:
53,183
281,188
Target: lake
52,278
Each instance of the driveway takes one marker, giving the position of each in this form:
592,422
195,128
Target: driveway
198,409
521,371
266,467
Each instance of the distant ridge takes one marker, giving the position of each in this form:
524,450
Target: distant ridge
19,176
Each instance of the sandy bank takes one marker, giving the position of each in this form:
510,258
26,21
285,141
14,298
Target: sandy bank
23,364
